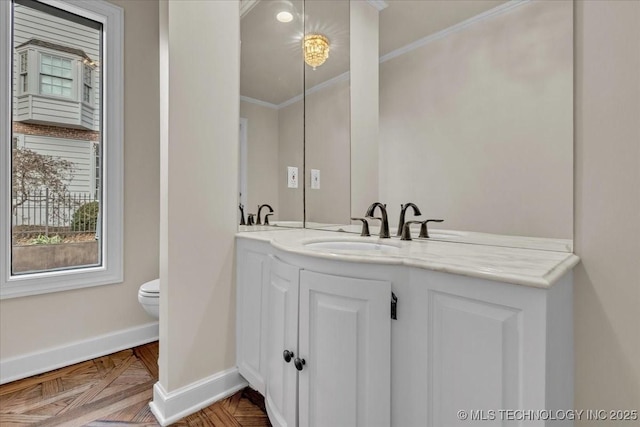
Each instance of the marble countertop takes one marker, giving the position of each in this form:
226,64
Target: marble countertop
516,265
444,235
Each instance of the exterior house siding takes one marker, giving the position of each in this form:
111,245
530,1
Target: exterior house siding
21,108
61,126
81,187
76,151
29,24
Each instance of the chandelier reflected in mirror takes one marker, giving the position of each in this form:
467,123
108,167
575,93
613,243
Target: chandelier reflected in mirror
316,49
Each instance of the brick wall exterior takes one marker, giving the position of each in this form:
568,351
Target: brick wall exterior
55,131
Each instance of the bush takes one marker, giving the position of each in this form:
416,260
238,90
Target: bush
85,217
46,240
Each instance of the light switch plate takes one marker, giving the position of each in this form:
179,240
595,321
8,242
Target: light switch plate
292,177
315,179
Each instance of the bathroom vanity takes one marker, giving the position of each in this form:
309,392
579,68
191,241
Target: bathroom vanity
340,330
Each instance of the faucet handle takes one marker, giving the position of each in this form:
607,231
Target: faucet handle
365,226
384,231
250,218
424,233
406,230
266,218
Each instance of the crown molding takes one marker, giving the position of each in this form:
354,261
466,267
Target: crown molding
498,10
258,102
340,78
246,6
378,4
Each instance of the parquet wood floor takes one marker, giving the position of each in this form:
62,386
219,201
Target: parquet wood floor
113,391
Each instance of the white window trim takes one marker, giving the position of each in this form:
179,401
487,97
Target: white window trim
34,68
74,61
81,85
111,271
93,176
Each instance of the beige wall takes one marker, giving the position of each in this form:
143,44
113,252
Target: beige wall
607,207
291,128
327,149
275,142
198,330
199,192
363,23
262,157
37,323
477,127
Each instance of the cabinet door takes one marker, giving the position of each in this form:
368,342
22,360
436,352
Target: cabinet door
475,358
345,339
282,334
252,279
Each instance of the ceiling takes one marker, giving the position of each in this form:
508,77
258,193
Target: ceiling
272,69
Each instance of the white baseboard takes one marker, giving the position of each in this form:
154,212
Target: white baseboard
30,364
169,407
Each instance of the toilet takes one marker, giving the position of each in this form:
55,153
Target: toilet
149,297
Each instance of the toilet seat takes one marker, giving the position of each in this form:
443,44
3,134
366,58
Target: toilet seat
150,289
149,297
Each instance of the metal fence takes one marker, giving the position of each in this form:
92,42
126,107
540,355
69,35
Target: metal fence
45,214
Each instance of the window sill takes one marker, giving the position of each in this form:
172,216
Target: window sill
56,281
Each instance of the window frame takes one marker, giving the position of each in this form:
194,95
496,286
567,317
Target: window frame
23,73
86,88
72,79
112,127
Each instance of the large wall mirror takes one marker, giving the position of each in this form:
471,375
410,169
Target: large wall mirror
464,108
285,99
272,112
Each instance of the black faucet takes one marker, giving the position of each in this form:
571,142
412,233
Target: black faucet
259,210
384,226
241,206
403,210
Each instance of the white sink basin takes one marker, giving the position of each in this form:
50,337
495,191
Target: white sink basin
344,245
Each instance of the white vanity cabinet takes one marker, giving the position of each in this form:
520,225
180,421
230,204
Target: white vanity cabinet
252,266
345,337
467,344
460,342
336,331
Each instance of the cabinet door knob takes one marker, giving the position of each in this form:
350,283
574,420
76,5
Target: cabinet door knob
299,363
287,355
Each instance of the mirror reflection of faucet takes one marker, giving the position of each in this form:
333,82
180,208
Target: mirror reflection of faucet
241,206
266,220
384,226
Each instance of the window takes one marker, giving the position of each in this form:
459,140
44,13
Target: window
24,67
55,76
86,84
70,52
